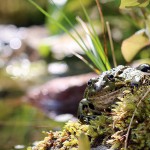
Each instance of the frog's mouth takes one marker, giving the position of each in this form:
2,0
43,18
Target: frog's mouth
105,95
103,99
106,90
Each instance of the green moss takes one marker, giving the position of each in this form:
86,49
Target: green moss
111,127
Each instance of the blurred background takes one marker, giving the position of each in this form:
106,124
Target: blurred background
41,81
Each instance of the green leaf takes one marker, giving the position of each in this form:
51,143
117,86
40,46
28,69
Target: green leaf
132,45
84,143
144,3
133,3
101,59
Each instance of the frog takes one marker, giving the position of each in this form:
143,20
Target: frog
103,91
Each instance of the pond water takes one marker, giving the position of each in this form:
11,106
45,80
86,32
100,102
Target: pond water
21,124
21,70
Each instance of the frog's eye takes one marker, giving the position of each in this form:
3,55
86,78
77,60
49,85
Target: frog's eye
91,106
84,106
144,68
110,77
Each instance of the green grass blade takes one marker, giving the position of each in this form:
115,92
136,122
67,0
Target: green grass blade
71,25
93,52
100,55
93,33
95,61
96,54
91,24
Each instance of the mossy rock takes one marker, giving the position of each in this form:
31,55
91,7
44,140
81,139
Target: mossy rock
124,126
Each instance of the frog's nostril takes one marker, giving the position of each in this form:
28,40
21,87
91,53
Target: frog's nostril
96,87
89,82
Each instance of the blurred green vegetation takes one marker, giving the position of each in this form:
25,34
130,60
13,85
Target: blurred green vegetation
21,13
71,8
22,124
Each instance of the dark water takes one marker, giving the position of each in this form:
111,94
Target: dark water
22,124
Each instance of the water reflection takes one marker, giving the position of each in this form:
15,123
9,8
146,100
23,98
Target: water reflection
21,124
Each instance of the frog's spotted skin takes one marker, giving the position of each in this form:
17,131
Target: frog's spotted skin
102,91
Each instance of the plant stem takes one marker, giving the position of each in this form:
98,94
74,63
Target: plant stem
129,127
103,26
111,44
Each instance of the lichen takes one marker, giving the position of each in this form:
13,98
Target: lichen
130,113
65,139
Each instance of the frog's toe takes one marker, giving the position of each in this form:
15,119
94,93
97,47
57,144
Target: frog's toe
80,117
87,119
83,119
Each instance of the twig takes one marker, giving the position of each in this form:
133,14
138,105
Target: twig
129,127
103,26
111,44
143,13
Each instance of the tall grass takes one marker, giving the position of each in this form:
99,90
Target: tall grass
97,59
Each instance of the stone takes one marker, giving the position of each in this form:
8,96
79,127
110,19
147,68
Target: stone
60,95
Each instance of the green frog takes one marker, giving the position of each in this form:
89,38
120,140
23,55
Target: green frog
103,91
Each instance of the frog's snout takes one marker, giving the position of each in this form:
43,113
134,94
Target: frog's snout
98,86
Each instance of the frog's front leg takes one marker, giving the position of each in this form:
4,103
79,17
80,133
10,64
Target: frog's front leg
86,111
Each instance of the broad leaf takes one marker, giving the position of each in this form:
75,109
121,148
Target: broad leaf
133,3
144,3
132,45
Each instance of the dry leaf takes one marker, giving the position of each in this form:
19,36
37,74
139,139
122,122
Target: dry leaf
131,46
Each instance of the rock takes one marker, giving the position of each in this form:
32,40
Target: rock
100,148
60,95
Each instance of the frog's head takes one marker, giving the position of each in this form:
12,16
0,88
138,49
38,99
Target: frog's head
105,88
102,91
108,81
